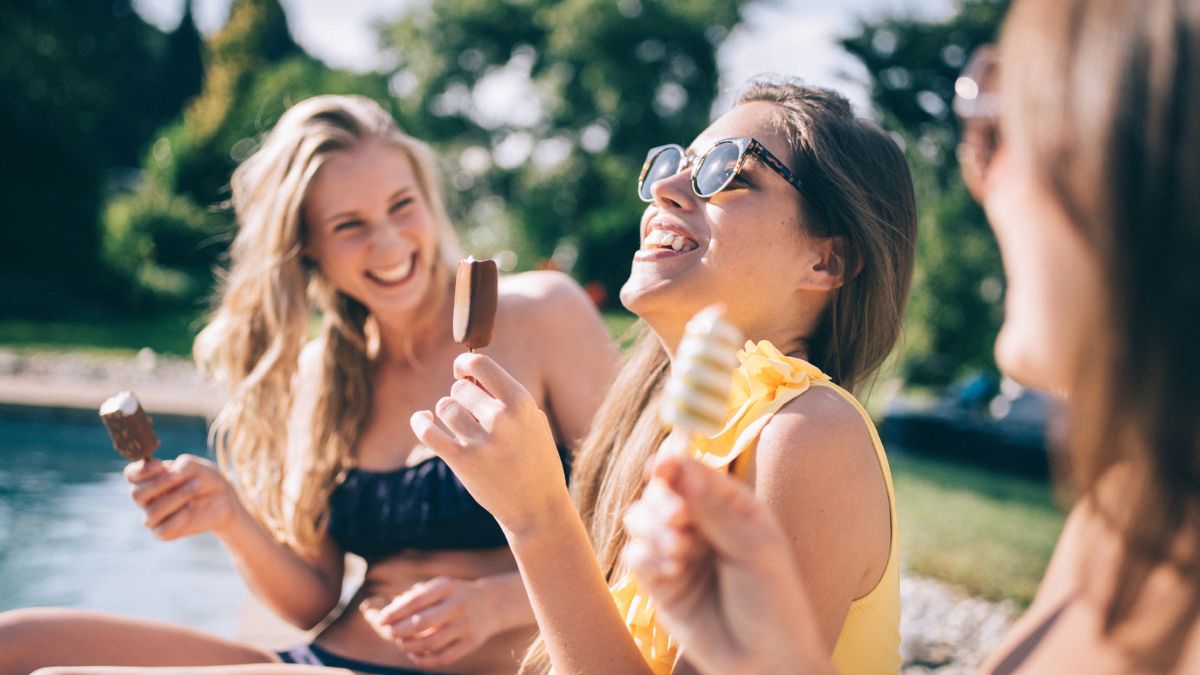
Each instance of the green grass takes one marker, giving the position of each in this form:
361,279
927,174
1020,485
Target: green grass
989,532
168,333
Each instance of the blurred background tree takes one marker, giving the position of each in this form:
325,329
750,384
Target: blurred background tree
544,110
86,84
956,305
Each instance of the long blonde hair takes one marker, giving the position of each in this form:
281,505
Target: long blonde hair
868,201
267,298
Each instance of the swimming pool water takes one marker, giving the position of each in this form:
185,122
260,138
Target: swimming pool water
70,535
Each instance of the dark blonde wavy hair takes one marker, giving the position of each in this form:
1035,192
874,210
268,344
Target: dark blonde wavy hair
266,300
863,192
1105,97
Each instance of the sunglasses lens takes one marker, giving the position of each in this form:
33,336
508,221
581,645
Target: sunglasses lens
717,169
663,165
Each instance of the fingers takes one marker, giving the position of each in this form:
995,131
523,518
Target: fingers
661,542
176,524
430,432
444,658
424,622
162,483
141,471
458,420
415,599
163,507
722,510
478,402
491,378
433,642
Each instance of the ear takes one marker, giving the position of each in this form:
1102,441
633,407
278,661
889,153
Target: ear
829,265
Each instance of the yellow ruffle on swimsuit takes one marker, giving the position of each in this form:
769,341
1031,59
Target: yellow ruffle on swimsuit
765,381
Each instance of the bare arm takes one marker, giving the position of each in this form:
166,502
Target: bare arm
188,495
301,588
816,470
497,441
721,570
579,622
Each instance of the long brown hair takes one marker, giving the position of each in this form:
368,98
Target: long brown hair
1104,96
868,200
266,299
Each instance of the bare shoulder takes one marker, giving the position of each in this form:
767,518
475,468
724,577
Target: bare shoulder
548,305
539,291
819,434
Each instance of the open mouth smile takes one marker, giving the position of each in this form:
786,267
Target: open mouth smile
395,274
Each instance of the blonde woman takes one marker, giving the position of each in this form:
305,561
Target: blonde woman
1082,142
340,213
800,218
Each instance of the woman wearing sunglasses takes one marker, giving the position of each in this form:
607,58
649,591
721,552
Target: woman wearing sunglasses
799,217
1090,178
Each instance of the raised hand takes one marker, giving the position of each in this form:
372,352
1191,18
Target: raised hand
491,433
719,567
182,496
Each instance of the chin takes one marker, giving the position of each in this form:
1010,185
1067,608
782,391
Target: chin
1023,360
645,297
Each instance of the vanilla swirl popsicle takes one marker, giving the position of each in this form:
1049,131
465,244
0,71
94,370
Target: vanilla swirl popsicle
696,394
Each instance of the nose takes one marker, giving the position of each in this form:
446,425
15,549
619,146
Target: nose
387,234
674,191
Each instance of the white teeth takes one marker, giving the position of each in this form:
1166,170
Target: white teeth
395,272
665,239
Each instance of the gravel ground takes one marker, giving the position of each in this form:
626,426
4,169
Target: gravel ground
944,630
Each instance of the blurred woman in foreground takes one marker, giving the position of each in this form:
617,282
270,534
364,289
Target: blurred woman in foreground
1086,157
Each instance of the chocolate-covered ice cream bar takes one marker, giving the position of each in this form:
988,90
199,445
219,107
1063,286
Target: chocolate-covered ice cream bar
475,298
129,426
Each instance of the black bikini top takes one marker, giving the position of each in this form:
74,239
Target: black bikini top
425,507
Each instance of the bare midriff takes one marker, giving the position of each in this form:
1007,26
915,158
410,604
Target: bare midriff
350,635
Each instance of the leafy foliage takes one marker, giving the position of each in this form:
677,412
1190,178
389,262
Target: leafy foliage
85,84
956,303
550,172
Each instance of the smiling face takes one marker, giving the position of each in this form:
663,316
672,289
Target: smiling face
369,229
744,246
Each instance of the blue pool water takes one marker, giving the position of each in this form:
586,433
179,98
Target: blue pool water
71,536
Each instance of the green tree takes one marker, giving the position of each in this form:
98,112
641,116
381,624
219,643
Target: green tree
549,169
956,302
79,103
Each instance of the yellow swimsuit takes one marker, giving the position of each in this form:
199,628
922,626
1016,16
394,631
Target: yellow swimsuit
764,382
